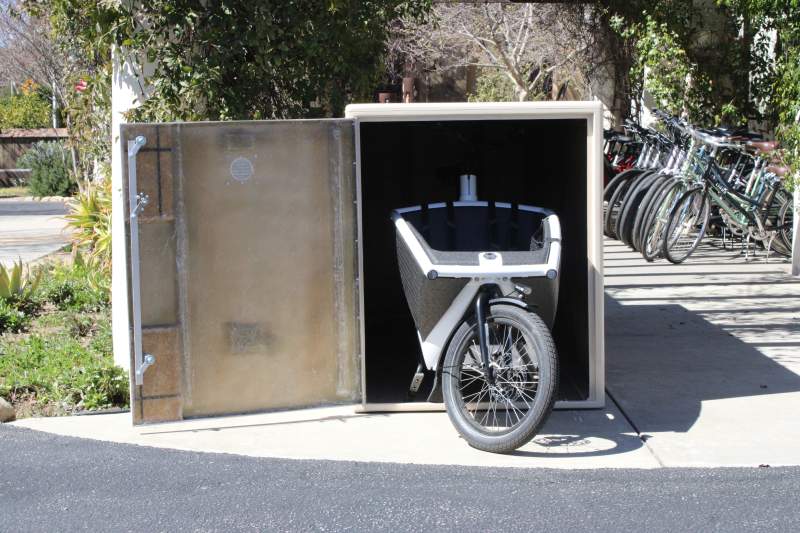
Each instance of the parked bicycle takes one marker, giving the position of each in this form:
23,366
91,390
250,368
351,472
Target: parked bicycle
686,182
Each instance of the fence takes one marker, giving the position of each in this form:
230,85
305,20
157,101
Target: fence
14,143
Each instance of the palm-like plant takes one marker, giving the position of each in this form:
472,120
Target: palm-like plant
96,274
15,284
90,221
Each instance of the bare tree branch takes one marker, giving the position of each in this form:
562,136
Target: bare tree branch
527,43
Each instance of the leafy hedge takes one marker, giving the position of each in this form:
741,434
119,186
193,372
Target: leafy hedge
24,111
727,62
238,59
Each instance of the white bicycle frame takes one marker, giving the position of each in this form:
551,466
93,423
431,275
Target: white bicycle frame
490,270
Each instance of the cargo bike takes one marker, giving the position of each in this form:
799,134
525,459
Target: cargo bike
481,280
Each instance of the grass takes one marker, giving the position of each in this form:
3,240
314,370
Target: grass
14,192
56,359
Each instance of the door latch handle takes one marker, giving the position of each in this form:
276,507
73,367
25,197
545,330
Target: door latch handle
136,202
149,359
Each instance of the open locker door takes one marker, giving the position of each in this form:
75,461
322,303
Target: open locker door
242,269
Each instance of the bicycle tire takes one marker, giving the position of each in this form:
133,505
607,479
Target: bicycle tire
612,208
458,399
783,240
685,216
644,209
624,199
657,219
632,204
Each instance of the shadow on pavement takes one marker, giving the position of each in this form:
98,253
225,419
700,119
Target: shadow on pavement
663,361
585,444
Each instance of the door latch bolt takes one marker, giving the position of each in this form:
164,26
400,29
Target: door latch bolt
142,200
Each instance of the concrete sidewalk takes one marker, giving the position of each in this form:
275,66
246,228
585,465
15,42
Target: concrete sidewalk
30,229
703,358
570,439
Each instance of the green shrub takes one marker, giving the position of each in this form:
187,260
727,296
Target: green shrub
67,292
493,87
90,221
77,287
58,369
102,338
24,111
30,306
79,325
50,174
61,360
12,320
69,289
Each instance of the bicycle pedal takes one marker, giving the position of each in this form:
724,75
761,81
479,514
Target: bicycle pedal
416,381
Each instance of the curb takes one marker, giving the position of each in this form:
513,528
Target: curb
36,199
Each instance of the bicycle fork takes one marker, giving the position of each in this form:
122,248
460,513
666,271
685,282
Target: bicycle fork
481,315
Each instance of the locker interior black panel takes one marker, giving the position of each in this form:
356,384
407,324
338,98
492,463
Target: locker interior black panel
534,162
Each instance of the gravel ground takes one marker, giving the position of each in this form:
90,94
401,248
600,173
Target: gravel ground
54,483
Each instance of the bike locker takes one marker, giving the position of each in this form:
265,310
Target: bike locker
267,270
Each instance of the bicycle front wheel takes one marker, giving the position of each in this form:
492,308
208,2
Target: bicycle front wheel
502,413
687,225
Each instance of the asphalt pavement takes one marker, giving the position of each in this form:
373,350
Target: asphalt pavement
56,483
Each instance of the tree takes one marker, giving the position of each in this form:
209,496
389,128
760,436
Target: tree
528,44
220,60
706,58
34,46
235,59
780,85
28,51
25,110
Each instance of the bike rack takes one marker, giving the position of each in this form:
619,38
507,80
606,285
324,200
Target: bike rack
137,202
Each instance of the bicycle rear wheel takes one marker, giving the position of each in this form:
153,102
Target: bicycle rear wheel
687,225
656,220
613,204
